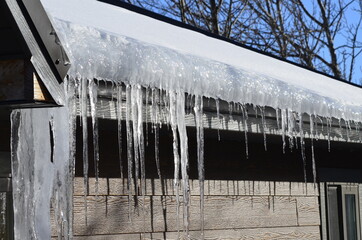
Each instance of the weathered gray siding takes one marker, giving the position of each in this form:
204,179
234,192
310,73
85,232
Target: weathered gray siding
233,210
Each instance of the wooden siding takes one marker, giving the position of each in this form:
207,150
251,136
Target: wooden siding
233,210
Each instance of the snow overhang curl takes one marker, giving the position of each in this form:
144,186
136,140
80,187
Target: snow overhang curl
123,46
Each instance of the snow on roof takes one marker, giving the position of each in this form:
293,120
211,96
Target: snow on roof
113,43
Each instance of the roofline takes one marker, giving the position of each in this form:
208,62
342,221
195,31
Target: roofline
177,23
227,120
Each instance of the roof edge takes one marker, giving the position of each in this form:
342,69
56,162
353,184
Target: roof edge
174,22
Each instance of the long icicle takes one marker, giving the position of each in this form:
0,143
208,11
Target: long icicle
291,127
156,127
84,112
141,149
284,126
311,123
119,124
244,113
93,97
184,160
217,102
135,137
262,112
176,157
129,148
71,89
302,146
200,156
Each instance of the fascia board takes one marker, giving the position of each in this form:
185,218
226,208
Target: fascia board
46,53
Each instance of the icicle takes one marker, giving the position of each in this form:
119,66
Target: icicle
165,108
262,111
156,127
146,112
173,122
135,136
302,146
277,117
140,136
41,172
284,126
244,112
141,148
71,90
340,128
200,155
329,127
316,127
311,123
84,112
255,107
3,215
93,97
218,118
180,108
129,147
348,129
291,120
119,124
55,200
230,110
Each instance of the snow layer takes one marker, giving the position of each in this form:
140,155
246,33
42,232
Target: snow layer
116,44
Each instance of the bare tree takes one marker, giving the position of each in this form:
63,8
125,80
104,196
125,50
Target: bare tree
316,34
338,43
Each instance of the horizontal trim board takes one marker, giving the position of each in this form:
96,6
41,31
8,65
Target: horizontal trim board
107,109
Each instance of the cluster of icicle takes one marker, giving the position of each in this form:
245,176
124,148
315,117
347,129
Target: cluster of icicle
43,154
48,135
135,103
137,99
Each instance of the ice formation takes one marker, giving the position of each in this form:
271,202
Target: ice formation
3,200
42,171
152,62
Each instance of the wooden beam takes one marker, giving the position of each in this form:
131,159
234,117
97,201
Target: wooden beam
20,85
40,91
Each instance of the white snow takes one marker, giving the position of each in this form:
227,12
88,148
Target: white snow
113,43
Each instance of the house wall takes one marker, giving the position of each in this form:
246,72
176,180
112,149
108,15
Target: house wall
233,210
260,197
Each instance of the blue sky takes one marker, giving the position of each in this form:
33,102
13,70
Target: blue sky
351,17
